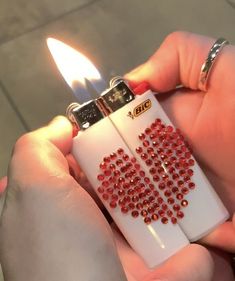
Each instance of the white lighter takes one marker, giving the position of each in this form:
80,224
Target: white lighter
143,171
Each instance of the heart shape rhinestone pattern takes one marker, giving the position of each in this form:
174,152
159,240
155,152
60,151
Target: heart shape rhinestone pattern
159,194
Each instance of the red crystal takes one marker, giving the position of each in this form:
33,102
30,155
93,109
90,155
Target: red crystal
124,209
100,177
144,156
125,157
180,214
145,143
120,151
113,204
147,220
106,159
113,155
144,213
139,206
103,166
164,220
170,200
176,207
131,206
190,172
148,131
139,150
156,178
185,190
105,196
154,217
100,189
184,203
135,214
179,196
141,136
191,185
174,220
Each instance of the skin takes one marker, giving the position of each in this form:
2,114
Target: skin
52,229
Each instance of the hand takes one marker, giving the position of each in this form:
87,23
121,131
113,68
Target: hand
206,119
50,227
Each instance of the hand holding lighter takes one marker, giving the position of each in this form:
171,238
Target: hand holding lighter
143,171
140,166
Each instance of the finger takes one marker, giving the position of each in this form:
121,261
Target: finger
177,61
222,237
3,185
192,263
38,156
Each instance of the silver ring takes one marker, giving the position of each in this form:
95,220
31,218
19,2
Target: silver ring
207,65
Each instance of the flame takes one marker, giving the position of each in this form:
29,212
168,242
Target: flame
73,65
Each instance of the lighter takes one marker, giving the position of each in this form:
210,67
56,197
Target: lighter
142,169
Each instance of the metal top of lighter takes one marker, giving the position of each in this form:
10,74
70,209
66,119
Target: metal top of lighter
91,112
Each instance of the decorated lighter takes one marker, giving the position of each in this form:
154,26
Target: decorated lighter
142,169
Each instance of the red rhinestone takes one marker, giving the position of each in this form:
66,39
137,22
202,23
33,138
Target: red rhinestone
147,191
112,167
144,213
135,199
100,189
152,171
170,183
164,206
116,186
142,195
139,206
163,156
153,136
170,201
184,203
169,129
119,162
106,159
159,200
105,196
153,156
169,213
157,163
176,207
160,150
179,142
180,214
185,165
179,196
165,145
131,206
146,180
187,178
144,156
185,190
183,148
173,159
113,155
151,186
182,172
115,197
139,150
148,131
116,173
126,185
133,160
155,143
156,178
151,198
121,180
147,220
124,209
121,202
167,193
164,220
123,169
110,190
146,143
191,185
120,151
103,166
125,157
150,150
179,152
137,166
160,170
162,185
105,183
165,176
177,165
169,152
191,162
175,176
154,217
158,121
127,199
131,191
135,214
180,183
141,136
149,162
107,172
121,192
156,206
187,155
171,170
145,202
151,210
190,172
175,189
113,204
153,126
156,193
141,173
174,220
100,177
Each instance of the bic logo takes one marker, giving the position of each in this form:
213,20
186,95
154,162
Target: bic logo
139,109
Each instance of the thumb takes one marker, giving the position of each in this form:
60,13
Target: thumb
193,263
177,61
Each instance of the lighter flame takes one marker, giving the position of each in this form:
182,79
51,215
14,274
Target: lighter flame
73,65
